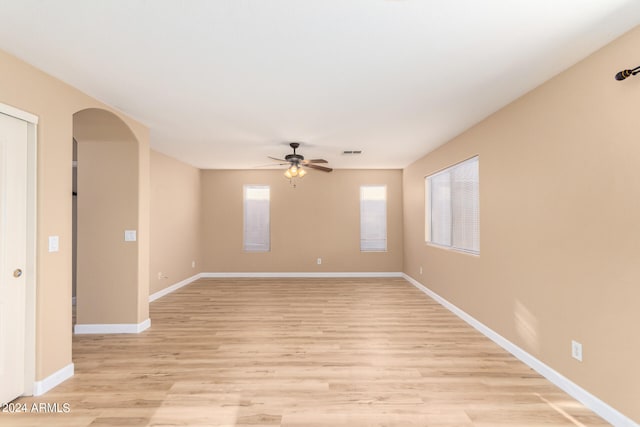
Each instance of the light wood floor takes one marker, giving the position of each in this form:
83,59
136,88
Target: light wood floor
301,352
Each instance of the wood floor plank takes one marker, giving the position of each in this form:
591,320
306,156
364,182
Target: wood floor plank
302,352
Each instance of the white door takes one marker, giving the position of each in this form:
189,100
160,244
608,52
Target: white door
13,255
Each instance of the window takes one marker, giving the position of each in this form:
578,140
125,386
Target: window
453,207
256,218
373,218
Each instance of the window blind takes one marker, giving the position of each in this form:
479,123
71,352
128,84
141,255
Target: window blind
373,218
256,218
453,207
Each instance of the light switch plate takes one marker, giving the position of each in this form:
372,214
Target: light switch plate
54,243
129,235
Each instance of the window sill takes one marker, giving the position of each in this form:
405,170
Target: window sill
452,249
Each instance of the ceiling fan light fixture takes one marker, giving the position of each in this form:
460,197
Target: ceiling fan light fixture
294,172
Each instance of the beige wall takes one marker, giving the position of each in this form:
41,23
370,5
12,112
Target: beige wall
559,211
54,102
318,219
115,166
175,222
107,266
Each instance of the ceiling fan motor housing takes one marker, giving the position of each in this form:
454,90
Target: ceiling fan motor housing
294,158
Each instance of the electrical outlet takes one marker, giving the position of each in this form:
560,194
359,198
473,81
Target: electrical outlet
193,264
576,350
160,276
420,269
319,261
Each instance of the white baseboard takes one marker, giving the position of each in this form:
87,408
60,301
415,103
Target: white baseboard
173,288
112,328
302,275
598,406
58,377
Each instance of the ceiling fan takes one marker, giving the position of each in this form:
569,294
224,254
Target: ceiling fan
296,162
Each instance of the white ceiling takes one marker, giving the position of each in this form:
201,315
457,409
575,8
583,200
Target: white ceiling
226,83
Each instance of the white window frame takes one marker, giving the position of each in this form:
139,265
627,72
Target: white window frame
366,242
263,242
452,220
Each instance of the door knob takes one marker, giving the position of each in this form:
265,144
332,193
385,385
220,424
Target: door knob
17,273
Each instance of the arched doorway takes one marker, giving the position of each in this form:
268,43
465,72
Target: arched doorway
107,289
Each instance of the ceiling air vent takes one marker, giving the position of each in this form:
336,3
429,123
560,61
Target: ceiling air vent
352,152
